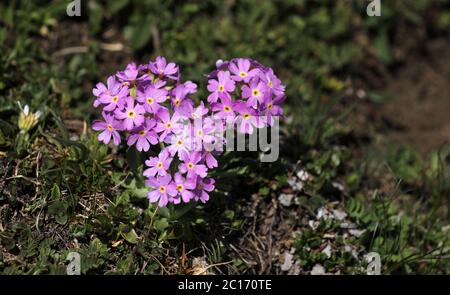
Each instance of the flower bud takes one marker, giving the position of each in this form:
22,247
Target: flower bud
27,119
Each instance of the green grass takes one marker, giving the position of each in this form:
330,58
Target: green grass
61,190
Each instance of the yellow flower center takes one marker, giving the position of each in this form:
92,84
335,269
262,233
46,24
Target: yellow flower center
150,100
270,106
247,116
159,165
180,187
169,125
131,114
110,128
162,189
243,74
179,142
270,84
200,185
177,102
115,99
221,88
142,132
200,133
226,109
255,92
190,166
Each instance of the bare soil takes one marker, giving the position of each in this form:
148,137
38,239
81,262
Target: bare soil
420,105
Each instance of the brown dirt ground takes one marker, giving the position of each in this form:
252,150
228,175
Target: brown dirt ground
420,108
417,113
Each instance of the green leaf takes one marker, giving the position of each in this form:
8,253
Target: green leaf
383,48
61,218
128,233
117,5
378,97
58,209
56,193
139,34
161,224
264,191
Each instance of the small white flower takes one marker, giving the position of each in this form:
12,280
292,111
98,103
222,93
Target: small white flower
303,175
27,120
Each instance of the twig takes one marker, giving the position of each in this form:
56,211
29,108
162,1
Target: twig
71,50
114,47
24,177
160,264
155,37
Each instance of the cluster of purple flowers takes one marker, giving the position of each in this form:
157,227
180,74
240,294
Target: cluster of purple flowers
260,93
152,106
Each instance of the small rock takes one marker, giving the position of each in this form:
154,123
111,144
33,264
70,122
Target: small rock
347,225
286,199
288,261
356,232
337,186
327,250
74,137
323,213
318,270
339,214
295,184
289,119
361,94
295,269
348,248
446,228
352,250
